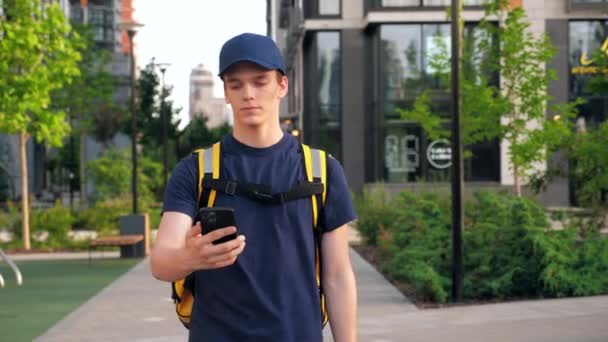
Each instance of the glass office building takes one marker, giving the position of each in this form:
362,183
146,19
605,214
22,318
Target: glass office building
354,64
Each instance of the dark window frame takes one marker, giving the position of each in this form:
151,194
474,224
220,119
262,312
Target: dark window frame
380,123
376,6
312,105
311,10
574,5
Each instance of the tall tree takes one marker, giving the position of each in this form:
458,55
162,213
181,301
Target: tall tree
196,135
36,57
89,97
151,101
513,110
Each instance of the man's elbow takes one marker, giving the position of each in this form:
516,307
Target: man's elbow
157,269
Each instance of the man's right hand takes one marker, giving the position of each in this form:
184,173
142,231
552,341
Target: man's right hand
204,255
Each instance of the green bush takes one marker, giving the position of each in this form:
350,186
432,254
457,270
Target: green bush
10,220
510,249
111,174
57,221
375,214
104,215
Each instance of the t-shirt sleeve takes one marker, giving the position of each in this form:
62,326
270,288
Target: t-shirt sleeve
339,208
182,191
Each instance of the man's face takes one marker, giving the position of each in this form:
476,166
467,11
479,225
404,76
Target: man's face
254,93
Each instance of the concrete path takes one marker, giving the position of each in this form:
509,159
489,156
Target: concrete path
137,307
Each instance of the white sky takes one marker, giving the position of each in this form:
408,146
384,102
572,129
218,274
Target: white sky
188,32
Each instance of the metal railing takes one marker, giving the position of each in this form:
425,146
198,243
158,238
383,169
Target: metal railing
13,266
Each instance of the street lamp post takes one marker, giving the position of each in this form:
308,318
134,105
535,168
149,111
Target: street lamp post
457,165
131,28
163,123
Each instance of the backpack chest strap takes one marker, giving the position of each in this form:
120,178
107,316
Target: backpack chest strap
263,193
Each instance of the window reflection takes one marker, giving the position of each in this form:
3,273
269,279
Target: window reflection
329,85
329,7
405,72
586,39
427,3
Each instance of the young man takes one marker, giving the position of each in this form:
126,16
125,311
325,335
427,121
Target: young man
264,289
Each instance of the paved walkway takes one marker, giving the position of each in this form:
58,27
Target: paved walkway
137,307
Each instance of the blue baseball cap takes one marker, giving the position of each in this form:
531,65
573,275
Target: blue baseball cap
251,47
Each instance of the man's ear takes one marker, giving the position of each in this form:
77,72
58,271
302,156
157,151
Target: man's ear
226,95
283,86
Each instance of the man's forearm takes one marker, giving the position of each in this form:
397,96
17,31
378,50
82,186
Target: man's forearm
169,264
341,296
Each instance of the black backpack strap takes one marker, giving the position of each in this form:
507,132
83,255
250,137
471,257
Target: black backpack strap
262,193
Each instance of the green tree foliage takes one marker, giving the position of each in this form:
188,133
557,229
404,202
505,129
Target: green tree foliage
111,174
196,135
151,101
149,106
589,155
37,57
88,101
514,110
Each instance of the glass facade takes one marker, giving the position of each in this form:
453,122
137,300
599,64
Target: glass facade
329,7
586,38
427,3
102,19
323,105
322,8
329,91
405,72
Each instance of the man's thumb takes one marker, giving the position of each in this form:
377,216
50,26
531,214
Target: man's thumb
195,231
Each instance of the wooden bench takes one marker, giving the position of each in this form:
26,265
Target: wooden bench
115,241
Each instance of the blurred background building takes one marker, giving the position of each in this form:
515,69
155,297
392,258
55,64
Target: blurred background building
104,16
351,64
203,102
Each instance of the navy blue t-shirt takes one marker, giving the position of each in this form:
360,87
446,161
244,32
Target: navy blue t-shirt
270,293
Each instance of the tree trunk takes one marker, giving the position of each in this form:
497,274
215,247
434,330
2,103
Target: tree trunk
83,182
516,181
25,208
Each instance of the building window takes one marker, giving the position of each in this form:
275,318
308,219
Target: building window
323,93
426,3
96,16
322,8
329,7
76,13
586,39
587,4
404,152
329,91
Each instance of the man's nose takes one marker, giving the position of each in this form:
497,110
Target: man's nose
247,92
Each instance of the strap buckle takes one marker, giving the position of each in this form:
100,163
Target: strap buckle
230,188
262,195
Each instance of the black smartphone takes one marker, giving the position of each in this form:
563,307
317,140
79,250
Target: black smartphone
215,218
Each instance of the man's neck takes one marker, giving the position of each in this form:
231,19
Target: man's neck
259,136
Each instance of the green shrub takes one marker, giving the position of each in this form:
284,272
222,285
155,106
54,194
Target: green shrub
510,249
374,214
103,217
10,220
111,174
57,221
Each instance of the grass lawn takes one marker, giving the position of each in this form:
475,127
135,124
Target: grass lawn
50,291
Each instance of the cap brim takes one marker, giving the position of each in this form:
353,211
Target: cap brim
262,64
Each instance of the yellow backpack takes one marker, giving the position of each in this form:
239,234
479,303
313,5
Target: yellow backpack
209,183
